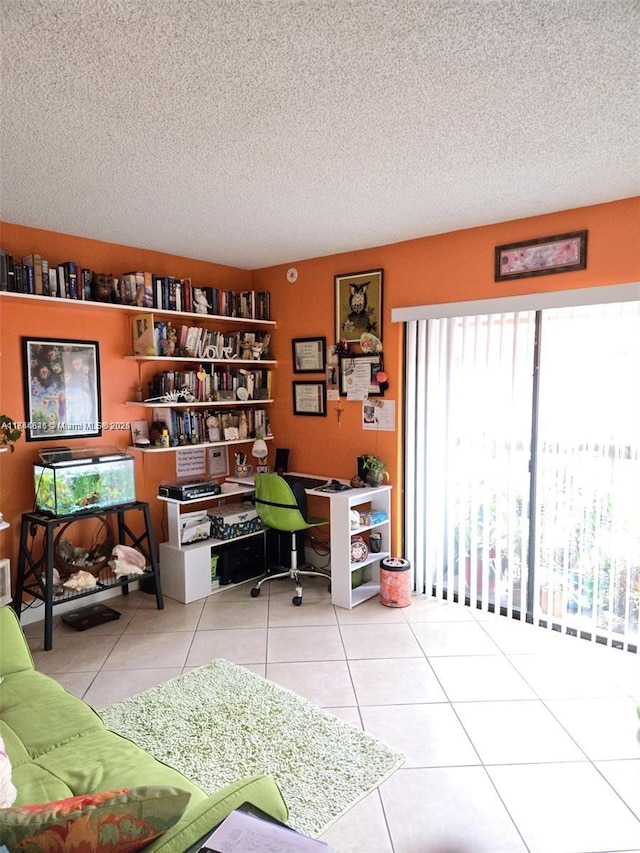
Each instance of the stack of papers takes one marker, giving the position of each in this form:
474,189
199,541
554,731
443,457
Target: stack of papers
241,832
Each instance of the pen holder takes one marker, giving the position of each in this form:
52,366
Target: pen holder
243,470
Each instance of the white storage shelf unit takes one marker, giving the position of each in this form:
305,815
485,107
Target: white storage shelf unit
342,569
186,569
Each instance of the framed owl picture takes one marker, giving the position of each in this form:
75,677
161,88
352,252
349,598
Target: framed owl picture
358,305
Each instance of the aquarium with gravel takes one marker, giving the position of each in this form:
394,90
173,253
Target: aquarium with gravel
69,481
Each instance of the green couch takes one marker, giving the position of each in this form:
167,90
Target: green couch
59,748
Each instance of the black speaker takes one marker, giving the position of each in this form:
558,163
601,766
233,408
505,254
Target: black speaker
362,471
282,460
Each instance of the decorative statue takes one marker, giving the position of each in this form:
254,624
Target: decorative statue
102,287
200,303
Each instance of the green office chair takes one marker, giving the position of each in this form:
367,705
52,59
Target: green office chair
283,507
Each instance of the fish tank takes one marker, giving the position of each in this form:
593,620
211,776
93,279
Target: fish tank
70,481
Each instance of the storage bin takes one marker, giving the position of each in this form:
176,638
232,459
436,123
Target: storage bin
395,582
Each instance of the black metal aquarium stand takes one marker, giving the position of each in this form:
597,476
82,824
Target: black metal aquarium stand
35,573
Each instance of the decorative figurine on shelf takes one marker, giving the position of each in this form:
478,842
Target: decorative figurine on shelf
172,340
102,287
243,427
200,302
213,430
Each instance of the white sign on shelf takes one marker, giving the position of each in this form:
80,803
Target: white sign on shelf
190,461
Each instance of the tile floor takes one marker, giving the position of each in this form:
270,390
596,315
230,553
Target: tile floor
516,739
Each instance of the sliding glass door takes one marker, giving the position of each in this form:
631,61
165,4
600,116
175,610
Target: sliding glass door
525,464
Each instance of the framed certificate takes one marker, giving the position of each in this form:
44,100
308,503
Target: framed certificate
310,398
309,355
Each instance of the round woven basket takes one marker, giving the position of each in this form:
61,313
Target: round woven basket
99,553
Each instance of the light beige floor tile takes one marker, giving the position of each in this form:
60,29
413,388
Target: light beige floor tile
234,613
429,735
305,643
76,652
256,668
403,681
283,614
172,618
232,592
370,612
557,676
75,682
145,651
362,828
35,630
380,641
565,807
516,732
238,645
624,776
481,677
514,637
428,609
454,638
107,690
325,683
350,715
447,809
604,728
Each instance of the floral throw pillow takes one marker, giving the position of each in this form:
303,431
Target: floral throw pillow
122,821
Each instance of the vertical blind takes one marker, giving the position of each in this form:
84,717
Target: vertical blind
522,464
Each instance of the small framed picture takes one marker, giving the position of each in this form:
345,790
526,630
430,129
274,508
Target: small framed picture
358,376
309,355
546,255
310,398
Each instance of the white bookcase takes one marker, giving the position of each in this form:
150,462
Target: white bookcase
342,569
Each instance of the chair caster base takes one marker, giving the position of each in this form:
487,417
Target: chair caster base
297,600
255,592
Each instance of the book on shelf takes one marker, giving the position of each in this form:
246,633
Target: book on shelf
33,264
18,278
28,279
4,283
144,335
46,285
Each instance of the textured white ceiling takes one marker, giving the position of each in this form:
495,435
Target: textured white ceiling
255,133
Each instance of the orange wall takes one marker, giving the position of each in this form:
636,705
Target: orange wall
443,268
111,328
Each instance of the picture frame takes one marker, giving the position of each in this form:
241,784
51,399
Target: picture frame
358,305
309,354
61,388
357,376
310,398
544,256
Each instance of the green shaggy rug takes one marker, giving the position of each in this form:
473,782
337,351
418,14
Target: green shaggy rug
221,722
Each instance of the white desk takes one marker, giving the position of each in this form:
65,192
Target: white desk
340,504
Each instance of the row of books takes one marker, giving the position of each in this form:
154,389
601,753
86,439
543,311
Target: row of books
217,384
33,274
196,427
153,337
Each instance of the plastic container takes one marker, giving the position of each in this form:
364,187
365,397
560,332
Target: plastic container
395,582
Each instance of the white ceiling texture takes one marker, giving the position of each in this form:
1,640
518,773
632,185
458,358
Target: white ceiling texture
256,133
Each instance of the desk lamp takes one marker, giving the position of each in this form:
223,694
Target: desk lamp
260,451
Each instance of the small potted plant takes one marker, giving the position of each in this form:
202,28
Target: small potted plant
8,433
376,469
